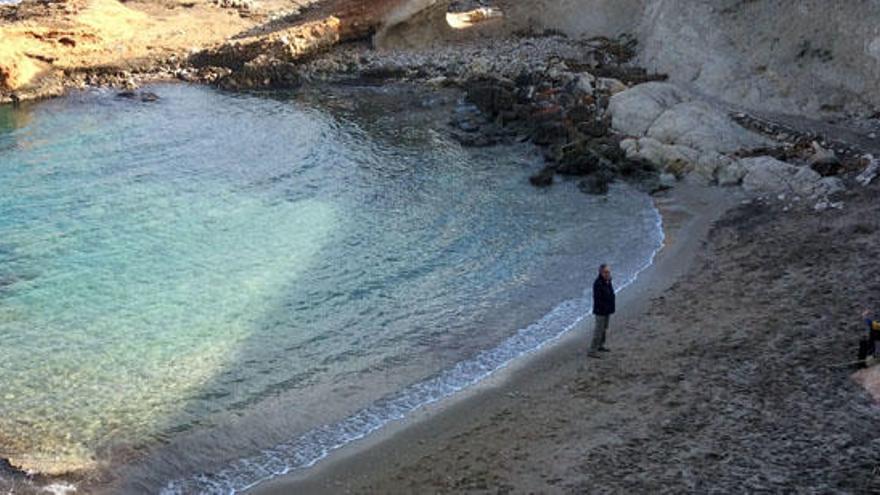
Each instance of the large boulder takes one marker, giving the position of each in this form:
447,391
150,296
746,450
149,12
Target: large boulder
635,110
765,174
680,133
701,126
673,116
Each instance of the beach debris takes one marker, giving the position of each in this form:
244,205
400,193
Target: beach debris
872,169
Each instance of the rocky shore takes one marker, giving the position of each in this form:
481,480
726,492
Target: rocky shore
599,116
585,101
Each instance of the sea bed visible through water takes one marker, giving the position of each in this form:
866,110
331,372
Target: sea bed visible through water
237,284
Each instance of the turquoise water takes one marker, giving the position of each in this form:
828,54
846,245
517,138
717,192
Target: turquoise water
237,284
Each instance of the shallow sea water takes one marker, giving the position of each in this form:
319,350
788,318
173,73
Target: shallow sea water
204,292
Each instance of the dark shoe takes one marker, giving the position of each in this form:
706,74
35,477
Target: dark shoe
604,349
593,354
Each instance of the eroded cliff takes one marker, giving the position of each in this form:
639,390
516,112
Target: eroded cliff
791,56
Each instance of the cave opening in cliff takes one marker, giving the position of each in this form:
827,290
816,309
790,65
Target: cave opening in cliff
463,14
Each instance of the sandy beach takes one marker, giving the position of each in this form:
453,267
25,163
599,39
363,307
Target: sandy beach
720,379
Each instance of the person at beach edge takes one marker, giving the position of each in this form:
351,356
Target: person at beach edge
603,308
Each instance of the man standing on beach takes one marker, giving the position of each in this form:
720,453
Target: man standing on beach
603,308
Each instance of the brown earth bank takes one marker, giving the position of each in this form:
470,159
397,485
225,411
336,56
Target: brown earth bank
723,378
48,46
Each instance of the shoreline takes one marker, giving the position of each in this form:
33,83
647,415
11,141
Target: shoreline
724,377
687,212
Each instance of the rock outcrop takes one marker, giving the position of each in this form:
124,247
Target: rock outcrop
791,56
266,61
668,114
765,174
679,132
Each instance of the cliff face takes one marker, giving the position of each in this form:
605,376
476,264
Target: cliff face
789,56
792,56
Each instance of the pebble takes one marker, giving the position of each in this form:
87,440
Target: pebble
507,58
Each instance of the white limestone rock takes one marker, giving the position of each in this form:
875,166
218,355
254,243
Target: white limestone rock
701,126
678,132
768,175
634,111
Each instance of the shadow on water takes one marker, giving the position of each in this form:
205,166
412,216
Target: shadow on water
325,319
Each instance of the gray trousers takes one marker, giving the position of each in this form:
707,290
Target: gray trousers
599,330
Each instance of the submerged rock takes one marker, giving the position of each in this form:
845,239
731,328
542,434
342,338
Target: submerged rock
543,178
145,96
595,184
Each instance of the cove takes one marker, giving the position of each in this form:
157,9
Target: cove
204,291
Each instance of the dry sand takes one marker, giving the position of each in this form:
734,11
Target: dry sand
720,377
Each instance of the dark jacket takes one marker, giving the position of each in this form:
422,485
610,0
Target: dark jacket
603,297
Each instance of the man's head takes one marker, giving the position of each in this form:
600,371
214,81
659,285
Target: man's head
605,271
